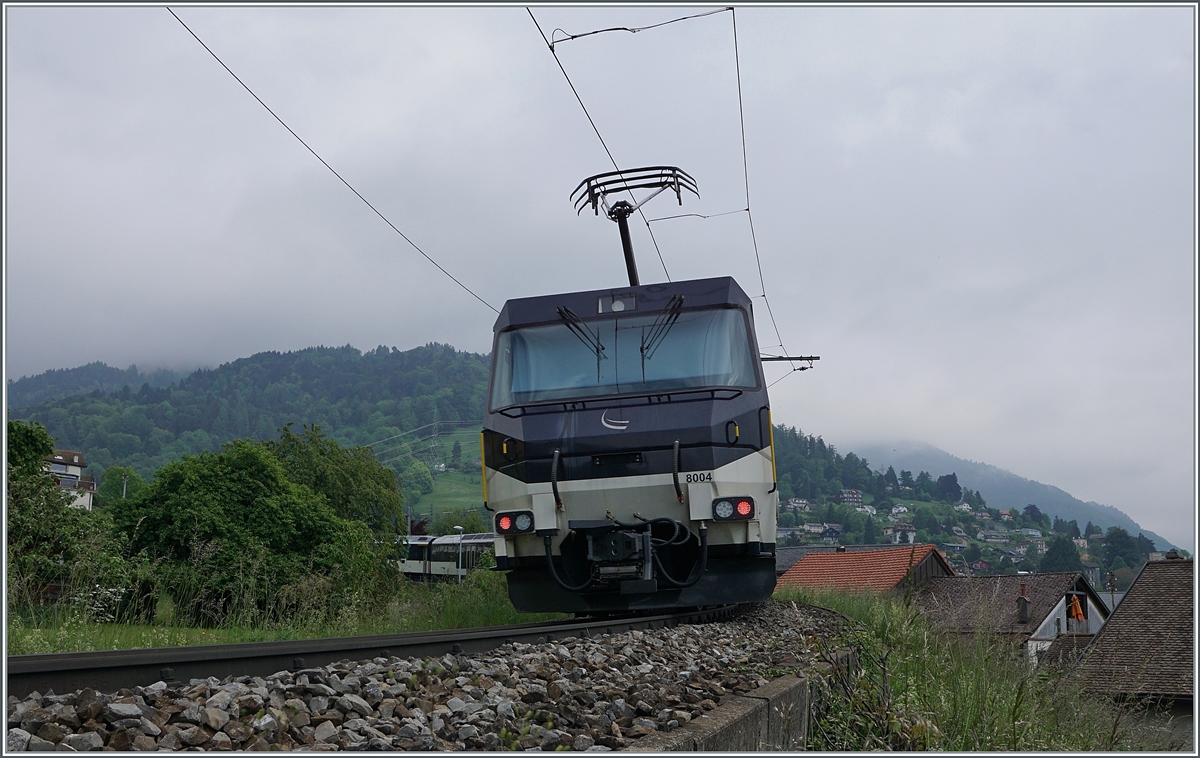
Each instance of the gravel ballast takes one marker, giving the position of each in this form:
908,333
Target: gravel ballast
586,694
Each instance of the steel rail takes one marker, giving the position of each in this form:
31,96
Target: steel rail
110,670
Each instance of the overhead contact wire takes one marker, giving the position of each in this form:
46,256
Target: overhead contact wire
631,30
596,129
746,178
331,169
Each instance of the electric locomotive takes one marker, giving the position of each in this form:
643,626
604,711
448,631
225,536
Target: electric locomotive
627,447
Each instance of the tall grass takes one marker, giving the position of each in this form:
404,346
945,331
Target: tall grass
919,689
309,611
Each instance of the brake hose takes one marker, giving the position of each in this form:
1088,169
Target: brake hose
697,572
554,572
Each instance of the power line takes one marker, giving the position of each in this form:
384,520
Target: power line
335,173
742,124
746,176
613,160
631,30
701,215
417,429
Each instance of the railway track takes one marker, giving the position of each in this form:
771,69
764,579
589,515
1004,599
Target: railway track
110,670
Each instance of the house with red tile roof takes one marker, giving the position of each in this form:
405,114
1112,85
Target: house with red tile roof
880,570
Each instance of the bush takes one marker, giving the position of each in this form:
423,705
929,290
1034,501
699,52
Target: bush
52,549
230,531
472,520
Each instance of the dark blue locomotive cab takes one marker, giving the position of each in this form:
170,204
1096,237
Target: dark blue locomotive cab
627,450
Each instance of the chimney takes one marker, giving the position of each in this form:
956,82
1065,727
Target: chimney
1173,555
1022,606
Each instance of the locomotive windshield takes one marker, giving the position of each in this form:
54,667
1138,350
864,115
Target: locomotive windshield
578,359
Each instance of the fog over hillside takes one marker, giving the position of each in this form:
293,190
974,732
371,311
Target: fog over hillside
1004,489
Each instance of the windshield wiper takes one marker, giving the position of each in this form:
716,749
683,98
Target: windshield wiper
658,330
582,331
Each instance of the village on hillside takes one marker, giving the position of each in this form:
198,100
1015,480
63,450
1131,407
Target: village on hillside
974,539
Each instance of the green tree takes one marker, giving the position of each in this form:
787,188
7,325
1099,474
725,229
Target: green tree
1145,545
891,479
351,480
972,553
456,454
1035,515
417,477
1061,555
871,533
119,482
1118,543
924,518
1026,565
28,444
925,484
237,540
52,547
947,488
471,520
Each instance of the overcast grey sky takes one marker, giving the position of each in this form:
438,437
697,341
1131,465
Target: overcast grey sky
982,219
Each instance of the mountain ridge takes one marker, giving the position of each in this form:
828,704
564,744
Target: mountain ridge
360,397
1002,488
60,383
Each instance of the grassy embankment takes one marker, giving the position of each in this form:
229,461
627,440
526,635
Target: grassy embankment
482,600
919,689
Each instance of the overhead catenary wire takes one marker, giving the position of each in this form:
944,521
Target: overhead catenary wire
417,429
631,30
331,169
596,129
746,176
551,43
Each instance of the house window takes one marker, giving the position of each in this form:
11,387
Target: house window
58,467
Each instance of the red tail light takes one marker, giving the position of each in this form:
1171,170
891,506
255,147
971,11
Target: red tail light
733,508
514,522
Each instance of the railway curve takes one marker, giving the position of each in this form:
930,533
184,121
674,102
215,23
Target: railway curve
110,670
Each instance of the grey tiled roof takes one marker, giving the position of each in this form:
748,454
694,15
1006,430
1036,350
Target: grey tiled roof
1146,648
1064,652
968,604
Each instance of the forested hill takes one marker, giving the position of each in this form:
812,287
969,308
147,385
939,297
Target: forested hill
64,382
357,398
374,397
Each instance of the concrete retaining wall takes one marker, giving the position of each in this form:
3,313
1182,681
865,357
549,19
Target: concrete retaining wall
771,718
776,717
